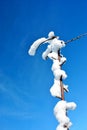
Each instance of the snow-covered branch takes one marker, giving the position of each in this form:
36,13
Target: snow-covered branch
60,112
58,88
35,45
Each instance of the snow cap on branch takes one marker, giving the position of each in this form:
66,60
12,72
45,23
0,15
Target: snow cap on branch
52,49
55,90
35,45
51,34
60,127
57,64
60,111
55,45
46,52
53,52
58,73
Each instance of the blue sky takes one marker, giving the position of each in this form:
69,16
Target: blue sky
25,100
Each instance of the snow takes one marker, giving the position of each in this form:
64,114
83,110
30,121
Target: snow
55,65
52,49
45,54
35,45
60,127
51,34
55,45
65,88
60,112
55,90
71,106
58,73
62,60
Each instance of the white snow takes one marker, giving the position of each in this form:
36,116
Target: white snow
62,60
46,52
61,108
53,56
52,49
65,88
60,127
55,45
58,73
55,65
55,90
51,34
60,112
71,105
35,45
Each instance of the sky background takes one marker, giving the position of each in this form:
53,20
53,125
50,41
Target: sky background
25,100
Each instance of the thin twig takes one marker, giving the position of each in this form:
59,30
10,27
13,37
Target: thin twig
78,37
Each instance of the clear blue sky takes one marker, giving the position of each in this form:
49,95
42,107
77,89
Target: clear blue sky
25,100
